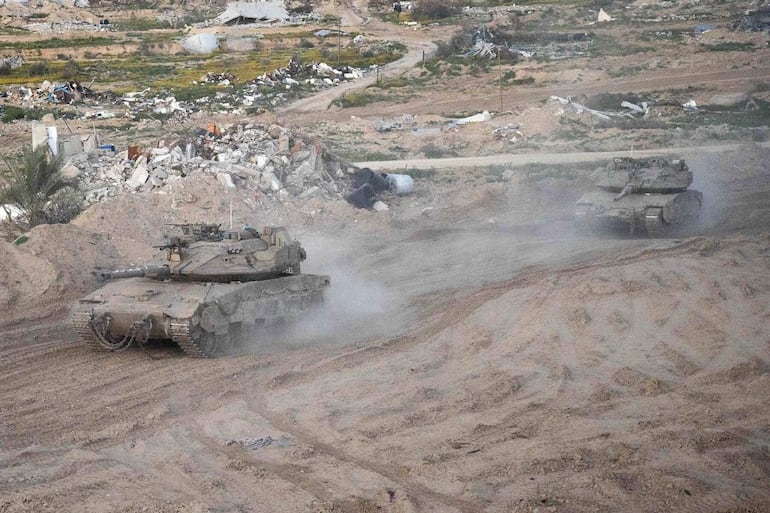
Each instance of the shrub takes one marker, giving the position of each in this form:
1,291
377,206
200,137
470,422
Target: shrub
435,9
37,188
13,113
38,68
71,70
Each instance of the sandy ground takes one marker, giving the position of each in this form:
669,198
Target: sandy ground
482,358
474,352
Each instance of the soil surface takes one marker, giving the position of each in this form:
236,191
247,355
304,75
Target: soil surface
474,353
475,356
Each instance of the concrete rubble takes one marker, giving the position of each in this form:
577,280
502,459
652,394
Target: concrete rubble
272,162
11,62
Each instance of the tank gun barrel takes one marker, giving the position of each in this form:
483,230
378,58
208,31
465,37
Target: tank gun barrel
156,272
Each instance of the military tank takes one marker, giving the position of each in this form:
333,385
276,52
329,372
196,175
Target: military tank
642,195
208,287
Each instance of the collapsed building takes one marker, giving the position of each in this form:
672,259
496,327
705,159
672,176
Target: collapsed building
263,11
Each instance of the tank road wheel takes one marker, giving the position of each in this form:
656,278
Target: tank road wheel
653,221
212,344
208,343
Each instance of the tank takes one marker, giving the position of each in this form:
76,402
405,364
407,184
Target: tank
641,195
206,288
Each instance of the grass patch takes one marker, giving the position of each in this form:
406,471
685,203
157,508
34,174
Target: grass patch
751,113
624,71
359,99
12,113
605,46
727,46
55,42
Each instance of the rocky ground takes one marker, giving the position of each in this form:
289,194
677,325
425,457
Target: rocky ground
474,352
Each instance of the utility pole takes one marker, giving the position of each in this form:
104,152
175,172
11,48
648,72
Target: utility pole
339,40
500,71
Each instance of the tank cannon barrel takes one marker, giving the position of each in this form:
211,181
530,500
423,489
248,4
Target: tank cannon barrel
157,272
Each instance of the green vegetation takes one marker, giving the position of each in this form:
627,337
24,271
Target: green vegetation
624,71
13,113
727,46
38,69
749,113
37,187
430,10
359,99
55,42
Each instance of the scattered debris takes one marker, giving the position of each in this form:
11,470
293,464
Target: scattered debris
393,124
644,109
368,185
481,117
14,62
269,89
703,28
258,443
511,131
754,20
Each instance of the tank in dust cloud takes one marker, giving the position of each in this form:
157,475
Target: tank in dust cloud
208,287
648,195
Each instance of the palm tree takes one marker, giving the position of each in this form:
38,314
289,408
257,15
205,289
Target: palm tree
32,185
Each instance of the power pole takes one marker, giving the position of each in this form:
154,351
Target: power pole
500,69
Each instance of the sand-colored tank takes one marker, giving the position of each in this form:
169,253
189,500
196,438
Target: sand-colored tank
643,195
207,288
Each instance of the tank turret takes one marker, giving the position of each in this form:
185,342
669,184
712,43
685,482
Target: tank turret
206,287
649,194
654,174
209,254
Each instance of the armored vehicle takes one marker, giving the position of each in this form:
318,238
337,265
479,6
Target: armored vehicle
642,195
207,288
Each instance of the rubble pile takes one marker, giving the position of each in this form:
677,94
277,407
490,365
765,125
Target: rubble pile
268,89
314,74
48,92
11,62
269,160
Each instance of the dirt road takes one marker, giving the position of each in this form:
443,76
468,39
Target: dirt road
521,159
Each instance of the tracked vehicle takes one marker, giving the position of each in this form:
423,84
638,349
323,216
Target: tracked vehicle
641,195
206,289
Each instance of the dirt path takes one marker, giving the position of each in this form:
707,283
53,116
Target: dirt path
519,159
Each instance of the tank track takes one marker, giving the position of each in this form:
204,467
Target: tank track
181,334
81,322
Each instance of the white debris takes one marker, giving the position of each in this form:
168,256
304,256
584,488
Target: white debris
226,180
603,16
201,43
138,177
476,118
379,206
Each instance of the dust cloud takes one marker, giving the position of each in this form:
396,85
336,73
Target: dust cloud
356,309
